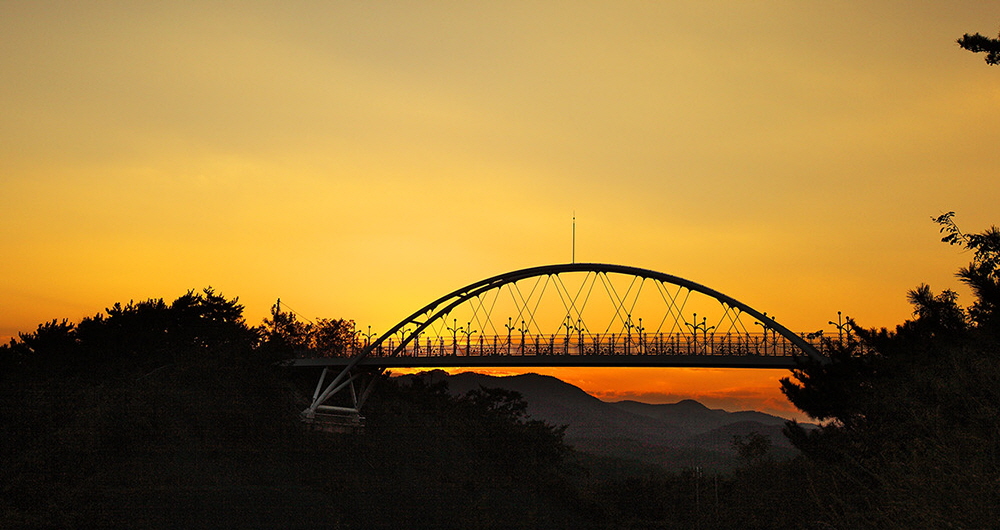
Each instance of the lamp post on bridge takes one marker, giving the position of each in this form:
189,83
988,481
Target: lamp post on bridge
402,334
568,324
468,337
510,327
368,336
454,336
628,332
841,327
774,336
523,329
642,337
704,327
774,339
763,329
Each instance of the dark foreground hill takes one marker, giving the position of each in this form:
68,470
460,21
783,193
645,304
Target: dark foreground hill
159,415
675,436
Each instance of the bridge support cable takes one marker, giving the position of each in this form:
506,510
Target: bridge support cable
494,322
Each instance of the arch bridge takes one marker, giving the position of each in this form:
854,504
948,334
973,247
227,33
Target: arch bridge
576,314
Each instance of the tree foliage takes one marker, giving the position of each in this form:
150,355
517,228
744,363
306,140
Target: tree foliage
912,432
120,419
285,334
752,447
977,43
982,275
136,336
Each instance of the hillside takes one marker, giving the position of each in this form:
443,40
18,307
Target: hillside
673,435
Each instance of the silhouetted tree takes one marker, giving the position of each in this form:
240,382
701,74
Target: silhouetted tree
913,414
503,424
752,447
145,335
982,275
977,43
284,331
53,343
333,337
470,461
287,336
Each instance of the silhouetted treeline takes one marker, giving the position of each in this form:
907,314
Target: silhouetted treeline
87,407
127,339
156,415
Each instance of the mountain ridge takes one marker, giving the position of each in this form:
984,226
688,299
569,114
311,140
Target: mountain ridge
671,435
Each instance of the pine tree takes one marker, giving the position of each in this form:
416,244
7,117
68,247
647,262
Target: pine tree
912,415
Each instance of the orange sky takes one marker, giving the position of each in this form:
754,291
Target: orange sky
358,160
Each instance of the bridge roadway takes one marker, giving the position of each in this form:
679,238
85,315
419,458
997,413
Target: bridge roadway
571,360
579,350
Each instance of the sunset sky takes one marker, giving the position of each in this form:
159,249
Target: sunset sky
359,159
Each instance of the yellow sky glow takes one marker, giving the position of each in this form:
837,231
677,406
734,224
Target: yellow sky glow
358,160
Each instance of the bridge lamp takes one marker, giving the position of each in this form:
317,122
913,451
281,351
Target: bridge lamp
774,336
402,334
568,324
694,330
454,336
642,337
764,331
510,327
841,326
523,329
628,330
580,328
368,336
468,336
705,328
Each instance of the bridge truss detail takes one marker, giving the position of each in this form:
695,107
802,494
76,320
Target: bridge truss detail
577,314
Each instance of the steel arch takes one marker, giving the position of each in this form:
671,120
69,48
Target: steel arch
442,306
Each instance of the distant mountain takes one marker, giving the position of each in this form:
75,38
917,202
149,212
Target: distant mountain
696,416
671,435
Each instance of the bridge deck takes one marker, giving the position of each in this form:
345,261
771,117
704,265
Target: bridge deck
530,361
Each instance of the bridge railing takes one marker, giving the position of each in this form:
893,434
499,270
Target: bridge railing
604,344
